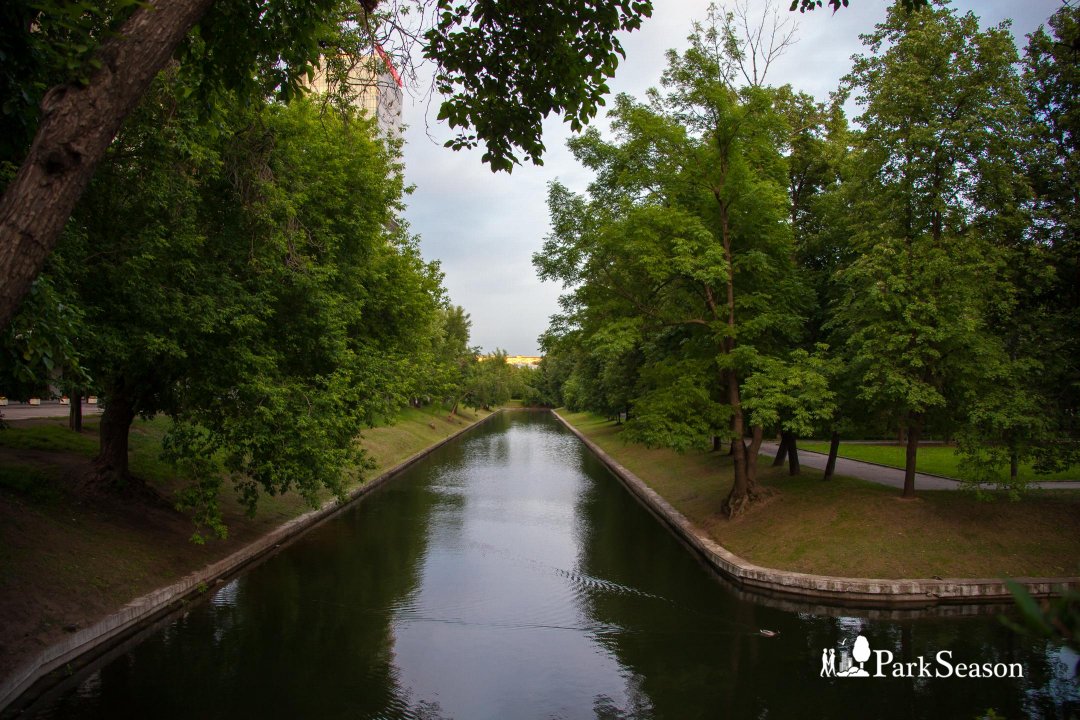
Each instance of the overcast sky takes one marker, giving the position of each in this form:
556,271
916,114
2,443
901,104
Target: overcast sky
484,227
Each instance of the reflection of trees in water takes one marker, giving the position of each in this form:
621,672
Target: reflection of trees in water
680,662
306,634
425,710
310,632
639,706
696,652
489,443
536,440
488,440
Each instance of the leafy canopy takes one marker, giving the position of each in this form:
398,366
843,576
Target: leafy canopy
230,279
505,66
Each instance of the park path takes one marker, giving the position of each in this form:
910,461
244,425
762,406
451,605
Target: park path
893,477
47,409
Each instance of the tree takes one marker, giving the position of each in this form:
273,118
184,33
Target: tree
1051,82
936,180
503,67
491,382
816,143
754,43
1046,261
228,279
743,132
681,250
1027,411
39,348
544,388
344,308
284,38
454,359
793,394
78,121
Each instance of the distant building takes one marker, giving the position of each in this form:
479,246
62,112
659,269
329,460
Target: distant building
529,361
374,86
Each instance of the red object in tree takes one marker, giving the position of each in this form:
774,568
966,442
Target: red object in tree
389,65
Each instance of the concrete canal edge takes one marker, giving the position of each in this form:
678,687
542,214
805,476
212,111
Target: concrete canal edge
868,592
86,644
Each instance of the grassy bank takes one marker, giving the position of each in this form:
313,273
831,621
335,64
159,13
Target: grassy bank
932,459
69,558
849,527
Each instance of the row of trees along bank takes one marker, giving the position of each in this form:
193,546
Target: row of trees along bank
223,273
182,232
747,263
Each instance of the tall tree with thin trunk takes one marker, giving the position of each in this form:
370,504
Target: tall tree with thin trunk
1029,412
941,102
682,249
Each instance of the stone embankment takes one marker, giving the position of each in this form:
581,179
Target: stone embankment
827,589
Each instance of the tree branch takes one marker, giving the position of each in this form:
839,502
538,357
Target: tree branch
77,125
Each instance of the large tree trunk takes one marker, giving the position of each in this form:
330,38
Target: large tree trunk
834,449
914,430
793,454
731,445
781,451
112,460
742,490
77,124
75,412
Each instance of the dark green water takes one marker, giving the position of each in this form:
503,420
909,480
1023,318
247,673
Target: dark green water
509,575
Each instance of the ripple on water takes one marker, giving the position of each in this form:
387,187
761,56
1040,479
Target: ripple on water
227,595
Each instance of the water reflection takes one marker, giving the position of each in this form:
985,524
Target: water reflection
499,602
704,641
306,634
510,576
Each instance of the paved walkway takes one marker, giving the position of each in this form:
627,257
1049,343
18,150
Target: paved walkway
891,476
47,409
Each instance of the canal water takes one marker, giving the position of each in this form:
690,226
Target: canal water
510,575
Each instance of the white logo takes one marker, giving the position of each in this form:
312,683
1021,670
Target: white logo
854,664
860,653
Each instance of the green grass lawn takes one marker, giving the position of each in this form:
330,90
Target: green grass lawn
50,434
932,459
853,528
